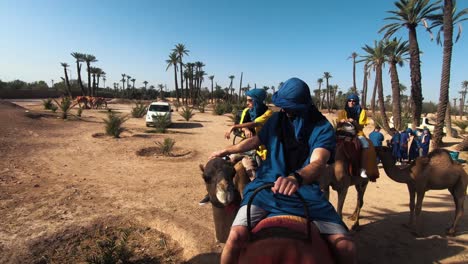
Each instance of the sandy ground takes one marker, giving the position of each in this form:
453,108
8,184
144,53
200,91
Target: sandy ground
57,176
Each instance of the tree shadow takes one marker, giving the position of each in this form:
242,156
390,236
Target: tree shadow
387,240
205,258
186,125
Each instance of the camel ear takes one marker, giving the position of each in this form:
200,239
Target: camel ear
201,167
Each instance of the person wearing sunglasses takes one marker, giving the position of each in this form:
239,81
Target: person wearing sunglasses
251,122
355,114
300,142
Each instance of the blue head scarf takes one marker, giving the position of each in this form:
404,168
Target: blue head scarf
355,111
259,107
294,96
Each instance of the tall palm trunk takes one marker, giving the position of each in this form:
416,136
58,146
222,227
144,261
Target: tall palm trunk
373,95
88,66
240,87
445,80
181,66
78,69
396,106
364,88
415,67
67,82
378,78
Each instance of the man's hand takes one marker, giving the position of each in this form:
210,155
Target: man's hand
285,185
227,135
219,153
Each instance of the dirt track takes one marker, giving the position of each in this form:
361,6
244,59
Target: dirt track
57,177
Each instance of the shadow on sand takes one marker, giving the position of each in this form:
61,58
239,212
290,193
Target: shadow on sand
186,125
387,240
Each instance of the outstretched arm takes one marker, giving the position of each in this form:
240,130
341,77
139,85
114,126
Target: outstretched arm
246,145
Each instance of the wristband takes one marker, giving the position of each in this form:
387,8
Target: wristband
298,178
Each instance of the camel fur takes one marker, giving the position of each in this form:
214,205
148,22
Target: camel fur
437,171
339,177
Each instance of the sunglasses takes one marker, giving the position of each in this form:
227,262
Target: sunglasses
249,100
354,101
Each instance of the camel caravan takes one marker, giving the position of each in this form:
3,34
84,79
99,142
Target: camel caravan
289,239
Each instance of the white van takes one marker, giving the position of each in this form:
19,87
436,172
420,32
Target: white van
158,109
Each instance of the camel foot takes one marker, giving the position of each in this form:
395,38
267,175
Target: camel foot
356,227
352,217
450,231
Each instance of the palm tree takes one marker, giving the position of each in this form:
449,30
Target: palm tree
364,86
172,61
65,65
319,81
133,81
397,55
128,81
240,88
161,93
327,76
88,59
211,77
79,57
408,14
230,85
123,80
445,22
375,57
353,56
145,83
463,98
99,72
180,50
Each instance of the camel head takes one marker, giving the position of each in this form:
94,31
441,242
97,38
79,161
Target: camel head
218,175
385,153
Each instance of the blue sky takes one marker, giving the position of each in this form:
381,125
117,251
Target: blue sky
269,41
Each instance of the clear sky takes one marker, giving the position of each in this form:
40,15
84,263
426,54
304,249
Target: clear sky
269,41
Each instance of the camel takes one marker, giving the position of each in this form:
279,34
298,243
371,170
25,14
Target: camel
275,244
339,177
437,171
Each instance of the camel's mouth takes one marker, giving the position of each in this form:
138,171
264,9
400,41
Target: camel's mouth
224,194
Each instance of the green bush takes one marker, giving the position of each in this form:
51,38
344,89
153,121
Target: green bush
161,123
187,113
53,108
47,103
65,105
166,146
461,124
80,111
114,124
219,109
139,110
112,250
201,106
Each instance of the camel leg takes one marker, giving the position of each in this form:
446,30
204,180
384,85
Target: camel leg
341,199
412,195
458,193
361,189
417,212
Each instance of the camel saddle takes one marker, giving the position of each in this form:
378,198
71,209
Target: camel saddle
351,145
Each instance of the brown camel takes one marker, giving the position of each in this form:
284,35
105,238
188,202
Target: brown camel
275,244
437,171
340,179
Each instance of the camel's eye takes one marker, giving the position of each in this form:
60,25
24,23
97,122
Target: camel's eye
206,178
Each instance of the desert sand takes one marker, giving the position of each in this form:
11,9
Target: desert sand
60,181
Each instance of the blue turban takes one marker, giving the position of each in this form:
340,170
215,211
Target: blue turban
294,96
259,107
355,111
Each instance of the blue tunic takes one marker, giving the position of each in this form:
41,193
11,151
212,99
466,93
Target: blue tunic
404,139
376,138
425,140
318,135
396,145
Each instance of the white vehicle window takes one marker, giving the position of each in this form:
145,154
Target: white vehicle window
159,108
